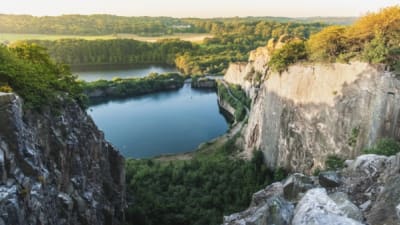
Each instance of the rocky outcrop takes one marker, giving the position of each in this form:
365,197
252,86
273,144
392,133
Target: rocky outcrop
204,83
368,194
56,168
310,111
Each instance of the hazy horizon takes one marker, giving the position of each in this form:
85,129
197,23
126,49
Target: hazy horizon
200,9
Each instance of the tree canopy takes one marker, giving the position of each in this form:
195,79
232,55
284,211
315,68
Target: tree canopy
29,71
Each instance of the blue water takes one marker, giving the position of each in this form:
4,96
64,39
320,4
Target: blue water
110,71
161,123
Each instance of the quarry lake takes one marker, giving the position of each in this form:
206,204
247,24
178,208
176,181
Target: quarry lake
160,123
108,72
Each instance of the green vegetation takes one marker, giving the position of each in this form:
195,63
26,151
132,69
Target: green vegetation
374,38
197,191
290,53
9,38
122,88
334,162
29,71
385,146
354,135
144,26
119,51
231,42
239,102
94,25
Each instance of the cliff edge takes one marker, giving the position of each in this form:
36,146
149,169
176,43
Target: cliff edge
56,168
301,116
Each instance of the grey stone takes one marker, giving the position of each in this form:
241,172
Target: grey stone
295,185
346,206
329,179
37,165
365,206
275,210
316,208
66,200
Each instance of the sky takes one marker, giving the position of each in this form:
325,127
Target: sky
196,8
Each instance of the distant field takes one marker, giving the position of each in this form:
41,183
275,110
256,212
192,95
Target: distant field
4,38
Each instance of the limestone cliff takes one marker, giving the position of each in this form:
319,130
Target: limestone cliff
56,168
301,116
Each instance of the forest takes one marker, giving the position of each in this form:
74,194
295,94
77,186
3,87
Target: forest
144,26
231,43
197,191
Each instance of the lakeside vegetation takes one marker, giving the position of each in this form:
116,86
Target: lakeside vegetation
105,90
239,100
196,191
374,38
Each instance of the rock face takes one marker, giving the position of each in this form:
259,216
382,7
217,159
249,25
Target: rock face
370,179
56,168
308,112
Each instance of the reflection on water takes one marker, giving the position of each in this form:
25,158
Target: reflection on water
160,123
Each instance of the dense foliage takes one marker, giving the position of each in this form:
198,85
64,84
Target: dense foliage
290,53
385,146
374,38
334,162
122,88
236,97
29,71
117,51
232,42
197,191
150,26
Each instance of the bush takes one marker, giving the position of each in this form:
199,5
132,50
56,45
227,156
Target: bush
385,146
29,71
333,162
5,88
287,55
328,44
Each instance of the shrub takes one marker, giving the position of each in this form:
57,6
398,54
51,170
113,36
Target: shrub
334,162
385,146
289,54
5,88
328,44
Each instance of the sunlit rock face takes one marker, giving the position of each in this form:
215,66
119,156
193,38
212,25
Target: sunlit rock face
310,111
56,168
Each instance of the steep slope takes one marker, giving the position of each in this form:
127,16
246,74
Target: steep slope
365,192
308,112
56,168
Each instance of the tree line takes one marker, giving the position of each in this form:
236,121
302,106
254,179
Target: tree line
232,42
374,38
145,26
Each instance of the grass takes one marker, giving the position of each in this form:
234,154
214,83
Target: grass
8,37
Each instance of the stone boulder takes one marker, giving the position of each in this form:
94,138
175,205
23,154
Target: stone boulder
296,185
316,208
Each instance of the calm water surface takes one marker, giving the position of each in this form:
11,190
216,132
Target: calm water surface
161,123
110,71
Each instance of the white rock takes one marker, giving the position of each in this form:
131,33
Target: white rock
316,208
